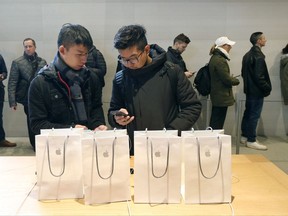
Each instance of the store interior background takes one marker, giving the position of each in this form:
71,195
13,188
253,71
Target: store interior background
201,20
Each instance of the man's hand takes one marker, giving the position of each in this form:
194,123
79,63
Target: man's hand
123,120
189,73
101,128
81,126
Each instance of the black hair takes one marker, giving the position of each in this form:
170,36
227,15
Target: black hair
131,35
254,37
285,49
27,39
71,34
181,38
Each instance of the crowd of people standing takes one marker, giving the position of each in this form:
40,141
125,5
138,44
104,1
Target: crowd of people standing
151,88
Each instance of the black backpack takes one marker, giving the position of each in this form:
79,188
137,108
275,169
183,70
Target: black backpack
202,81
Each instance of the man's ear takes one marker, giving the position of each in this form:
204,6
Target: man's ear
147,48
61,49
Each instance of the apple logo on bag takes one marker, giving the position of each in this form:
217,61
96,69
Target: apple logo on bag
58,151
207,153
106,154
158,154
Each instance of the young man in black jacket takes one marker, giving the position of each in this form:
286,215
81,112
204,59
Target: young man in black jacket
257,85
154,93
65,93
174,53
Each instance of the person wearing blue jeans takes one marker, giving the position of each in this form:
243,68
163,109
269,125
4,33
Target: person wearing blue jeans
257,85
252,113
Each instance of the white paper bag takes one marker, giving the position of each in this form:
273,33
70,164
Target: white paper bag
59,168
157,167
106,167
61,131
207,160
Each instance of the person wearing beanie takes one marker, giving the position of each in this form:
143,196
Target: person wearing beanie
222,81
257,85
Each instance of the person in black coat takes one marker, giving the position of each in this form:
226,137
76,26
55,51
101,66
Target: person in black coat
151,92
66,94
257,85
174,53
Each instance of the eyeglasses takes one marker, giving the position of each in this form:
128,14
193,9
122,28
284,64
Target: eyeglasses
132,60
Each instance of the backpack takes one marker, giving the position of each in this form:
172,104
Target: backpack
202,81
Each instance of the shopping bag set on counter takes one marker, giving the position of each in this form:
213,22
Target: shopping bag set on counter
75,163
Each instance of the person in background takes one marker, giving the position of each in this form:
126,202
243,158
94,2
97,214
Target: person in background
65,93
180,44
3,76
284,74
221,81
257,85
96,63
23,70
150,92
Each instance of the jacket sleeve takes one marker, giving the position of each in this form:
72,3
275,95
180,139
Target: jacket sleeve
189,104
3,68
12,83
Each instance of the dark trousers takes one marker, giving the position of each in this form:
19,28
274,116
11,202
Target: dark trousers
218,116
2,94
253,109
30,133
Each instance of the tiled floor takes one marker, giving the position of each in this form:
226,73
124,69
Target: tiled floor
277,150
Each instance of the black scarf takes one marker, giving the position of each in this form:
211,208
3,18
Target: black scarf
75,80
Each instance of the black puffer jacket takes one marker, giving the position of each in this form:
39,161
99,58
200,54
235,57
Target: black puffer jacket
157,98
255,73
23,70
96,63
50,103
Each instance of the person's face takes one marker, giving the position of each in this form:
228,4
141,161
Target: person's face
181,46
29,47
134,58
262,41
227,47
74,56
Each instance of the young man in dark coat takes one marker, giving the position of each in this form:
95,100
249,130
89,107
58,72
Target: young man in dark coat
257,85
65,93
153,93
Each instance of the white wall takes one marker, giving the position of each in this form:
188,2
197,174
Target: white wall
202,20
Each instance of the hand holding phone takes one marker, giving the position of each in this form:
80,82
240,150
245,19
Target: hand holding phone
119,113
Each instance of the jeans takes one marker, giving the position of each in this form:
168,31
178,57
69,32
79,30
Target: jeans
2,132
253,109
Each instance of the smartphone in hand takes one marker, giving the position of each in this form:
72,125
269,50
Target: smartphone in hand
119,113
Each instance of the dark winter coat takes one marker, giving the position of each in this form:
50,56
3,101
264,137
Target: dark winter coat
50,104
175,57
96,63
255,73
23,70
157,98
221,94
